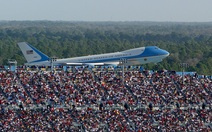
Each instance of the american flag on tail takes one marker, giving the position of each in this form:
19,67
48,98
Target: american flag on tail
29,52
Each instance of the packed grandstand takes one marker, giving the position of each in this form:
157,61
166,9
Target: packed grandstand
83,100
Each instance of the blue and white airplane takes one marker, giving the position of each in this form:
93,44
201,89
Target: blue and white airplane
131,57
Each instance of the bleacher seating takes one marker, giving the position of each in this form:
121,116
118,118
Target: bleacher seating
99,101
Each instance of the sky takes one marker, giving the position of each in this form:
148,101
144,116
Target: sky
107,10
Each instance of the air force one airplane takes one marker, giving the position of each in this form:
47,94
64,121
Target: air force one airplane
131,57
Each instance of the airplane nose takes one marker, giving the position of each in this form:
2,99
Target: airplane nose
166,53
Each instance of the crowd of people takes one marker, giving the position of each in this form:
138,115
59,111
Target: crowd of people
102,100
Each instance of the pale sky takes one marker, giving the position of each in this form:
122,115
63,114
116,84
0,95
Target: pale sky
107,10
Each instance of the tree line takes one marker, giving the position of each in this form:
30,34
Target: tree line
187,42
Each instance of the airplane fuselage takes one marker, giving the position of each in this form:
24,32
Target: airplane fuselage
135,56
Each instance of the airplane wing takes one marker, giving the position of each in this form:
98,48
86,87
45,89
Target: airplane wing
112,63
74,64
80,64
93,64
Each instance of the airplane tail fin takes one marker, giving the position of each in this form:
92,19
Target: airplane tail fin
32,54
